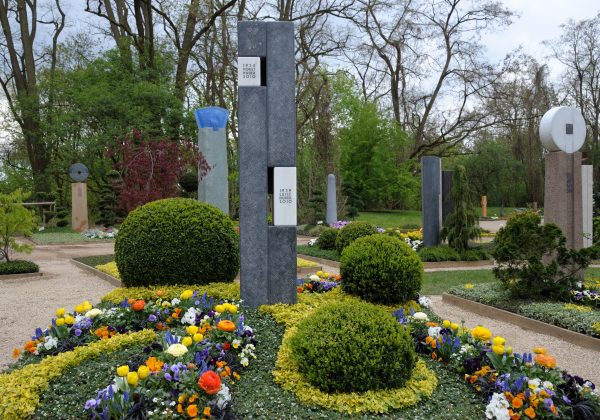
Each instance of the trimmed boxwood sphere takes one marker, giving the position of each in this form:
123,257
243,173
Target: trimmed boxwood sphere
177,241
353,231
381,269
353,347
327,239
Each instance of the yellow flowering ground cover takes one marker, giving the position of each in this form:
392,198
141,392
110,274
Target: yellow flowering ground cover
303,263
110,269
419,388
216,290
21,389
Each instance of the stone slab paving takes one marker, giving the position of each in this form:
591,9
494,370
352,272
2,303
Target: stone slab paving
575,359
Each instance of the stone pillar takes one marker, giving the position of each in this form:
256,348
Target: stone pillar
502,206
331,216
79,219
212,142
563,198
587,191
431,184
267,162
447,199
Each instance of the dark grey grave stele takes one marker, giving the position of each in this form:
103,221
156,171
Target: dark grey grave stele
431,184
267,139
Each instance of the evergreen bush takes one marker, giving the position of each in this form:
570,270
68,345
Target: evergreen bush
62,223
177,241
18,267
350,347
381,269
533,259
327,239
353,231
438,254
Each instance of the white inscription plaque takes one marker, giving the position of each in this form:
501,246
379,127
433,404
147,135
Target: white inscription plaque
248,71
284,196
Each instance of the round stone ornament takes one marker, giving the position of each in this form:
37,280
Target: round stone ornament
78,172
562,129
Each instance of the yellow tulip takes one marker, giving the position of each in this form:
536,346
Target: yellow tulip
319,273
192,329
187,341
499,350
143,372
446,323
454,326
60,312
87,307
123,370
186,295
482,334
132,378
79,309
198,338
232,309
509,350
220,309
69,320
60,322
86,303
326,275
498,341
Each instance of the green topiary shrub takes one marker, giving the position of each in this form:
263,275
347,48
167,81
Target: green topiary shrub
353,231
62,223
474,255
350,347
62,214
327,239
18,267
177,241
438,254
381,269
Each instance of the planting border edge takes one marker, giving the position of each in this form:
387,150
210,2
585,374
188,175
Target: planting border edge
572,337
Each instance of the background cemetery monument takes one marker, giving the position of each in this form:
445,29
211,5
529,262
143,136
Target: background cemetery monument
437,200
562,132
79,173
331,215
267,162
212,142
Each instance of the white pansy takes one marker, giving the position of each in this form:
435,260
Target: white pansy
314,277
175,301
497,409
50,343
223,397
433,332
424,301
92,313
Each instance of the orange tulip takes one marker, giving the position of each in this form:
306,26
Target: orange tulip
159,292
226,325
138,305
546,361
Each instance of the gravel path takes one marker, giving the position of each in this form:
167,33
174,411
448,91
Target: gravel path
576,360
31,303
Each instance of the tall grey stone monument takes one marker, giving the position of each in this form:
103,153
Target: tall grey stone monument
267,162
331,215
562,132
431,187
212,142
587,196
447,199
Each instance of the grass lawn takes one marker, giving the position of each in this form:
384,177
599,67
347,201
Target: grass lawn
495,211
439,282
56,235
95,260
393,219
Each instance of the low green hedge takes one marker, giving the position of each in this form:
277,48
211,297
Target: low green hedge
446,253
576,318
315,251
18,267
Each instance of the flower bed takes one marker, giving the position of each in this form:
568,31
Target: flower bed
571,316
516,386
194,350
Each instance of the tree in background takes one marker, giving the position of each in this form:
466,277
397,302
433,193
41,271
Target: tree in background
353,200
151,169
462,225
110,211
14,218
317,201
189,183
492,171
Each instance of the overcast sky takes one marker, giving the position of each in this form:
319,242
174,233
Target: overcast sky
540,20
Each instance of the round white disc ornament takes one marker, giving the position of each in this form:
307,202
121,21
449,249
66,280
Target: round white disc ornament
562,129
